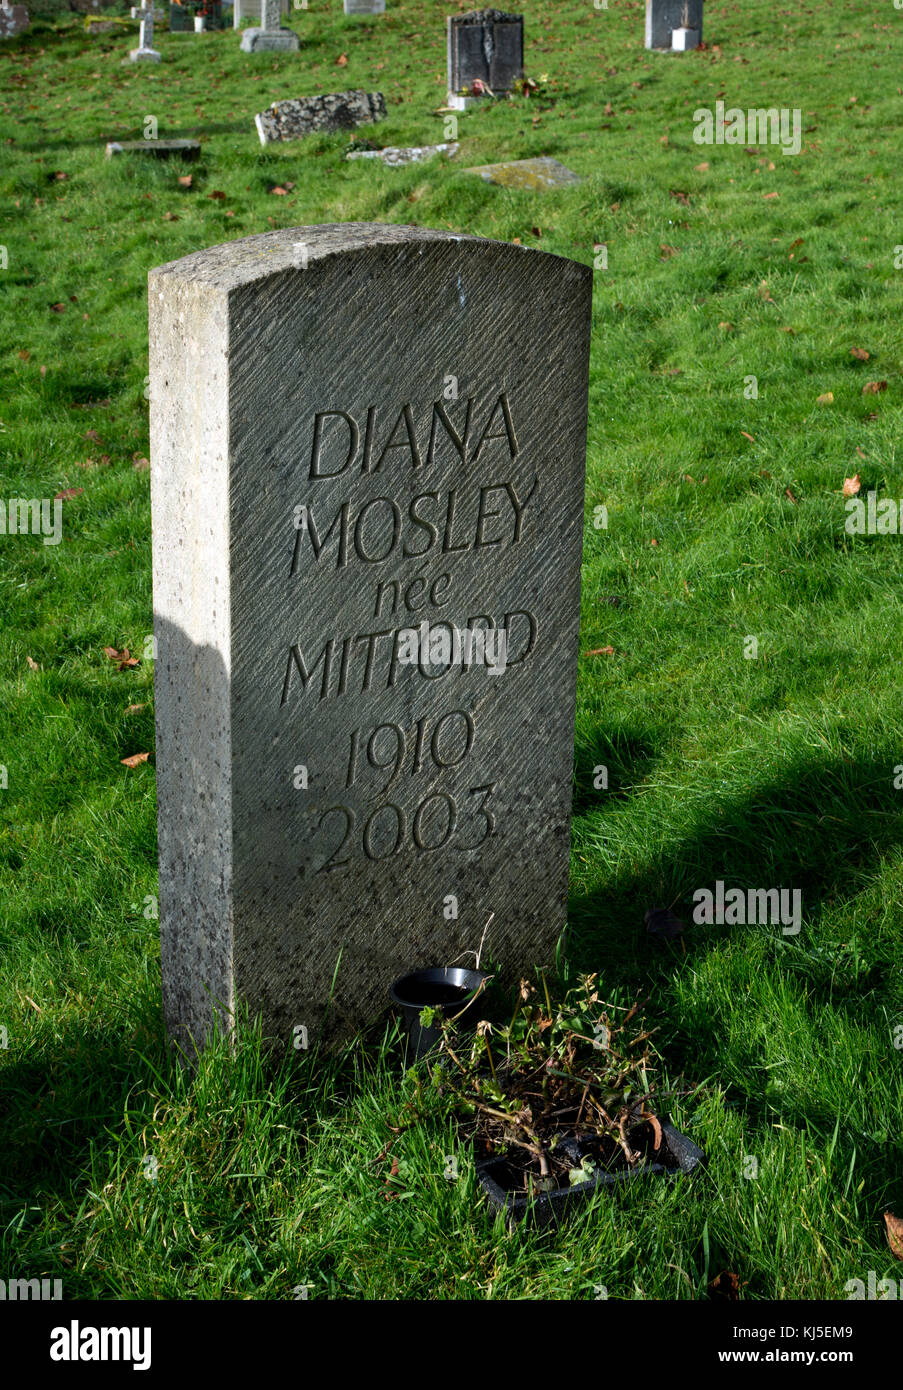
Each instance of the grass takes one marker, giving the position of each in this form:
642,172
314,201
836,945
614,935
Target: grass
725,522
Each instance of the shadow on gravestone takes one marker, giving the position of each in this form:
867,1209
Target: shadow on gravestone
324,798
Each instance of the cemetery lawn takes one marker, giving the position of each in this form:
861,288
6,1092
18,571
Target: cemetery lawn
725,523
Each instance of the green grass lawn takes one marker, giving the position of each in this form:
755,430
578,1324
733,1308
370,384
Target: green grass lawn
725,522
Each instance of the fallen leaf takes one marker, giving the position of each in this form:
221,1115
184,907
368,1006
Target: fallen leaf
186,180
135,760
894,1226
700,168
59,175
217,193
171,217
788,493
93,436
680,196
750,437
279,191
826,399
661,921
860,453
58,308
33,664
766,196
653,541
24,354
609,109
600,651
124,658
515,241
134,709
871,388
668,251
728,327
725,1285
342,60
764,292
67,493
764,473
140,463
664,138
851,486
860,354
789,330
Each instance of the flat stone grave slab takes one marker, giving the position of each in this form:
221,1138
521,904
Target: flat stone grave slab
541,173
160,149
290,120
414,154
358,430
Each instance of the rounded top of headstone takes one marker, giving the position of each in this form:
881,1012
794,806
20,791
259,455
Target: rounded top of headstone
236,263
485,17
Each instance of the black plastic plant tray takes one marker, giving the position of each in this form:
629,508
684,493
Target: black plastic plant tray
680,1153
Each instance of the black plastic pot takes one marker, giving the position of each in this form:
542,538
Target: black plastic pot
451,990
678,1155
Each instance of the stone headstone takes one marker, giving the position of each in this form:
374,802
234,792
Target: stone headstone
13,20
181,19
365,6
251,9
485,46
540,173
663,16
289,120
271,36
356,430
160,149
145,52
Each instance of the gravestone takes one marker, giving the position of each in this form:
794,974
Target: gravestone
364,6
250,9
271,36
357,430
663,16
487,47
145,52
13,20
181,18
290,120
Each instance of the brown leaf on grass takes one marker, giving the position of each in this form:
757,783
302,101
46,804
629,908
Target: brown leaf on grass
171,217
894,1226
725,1285
134,709
794,244
764,292
701,168
24,354
135,760
860,354
186,180
342,60
664,139
764,473
851,486
279,191
217,193
59,175
124,658
58,308
32,663
609,109
871,388
140,463
680,195
657,1131
93,436
600,651
826,399
791,331
66,493
668,251
766,196
750,437
653,541
788,493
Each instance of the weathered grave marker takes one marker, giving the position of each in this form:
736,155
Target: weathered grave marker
250,9
271,35
486,47
13,20
145,52
356,430
540,173
664,16
290,120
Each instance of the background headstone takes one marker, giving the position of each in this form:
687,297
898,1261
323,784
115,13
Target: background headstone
13,20
272,35
250,9
145,52
540,173
289,120
664,15
484,45
327,812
